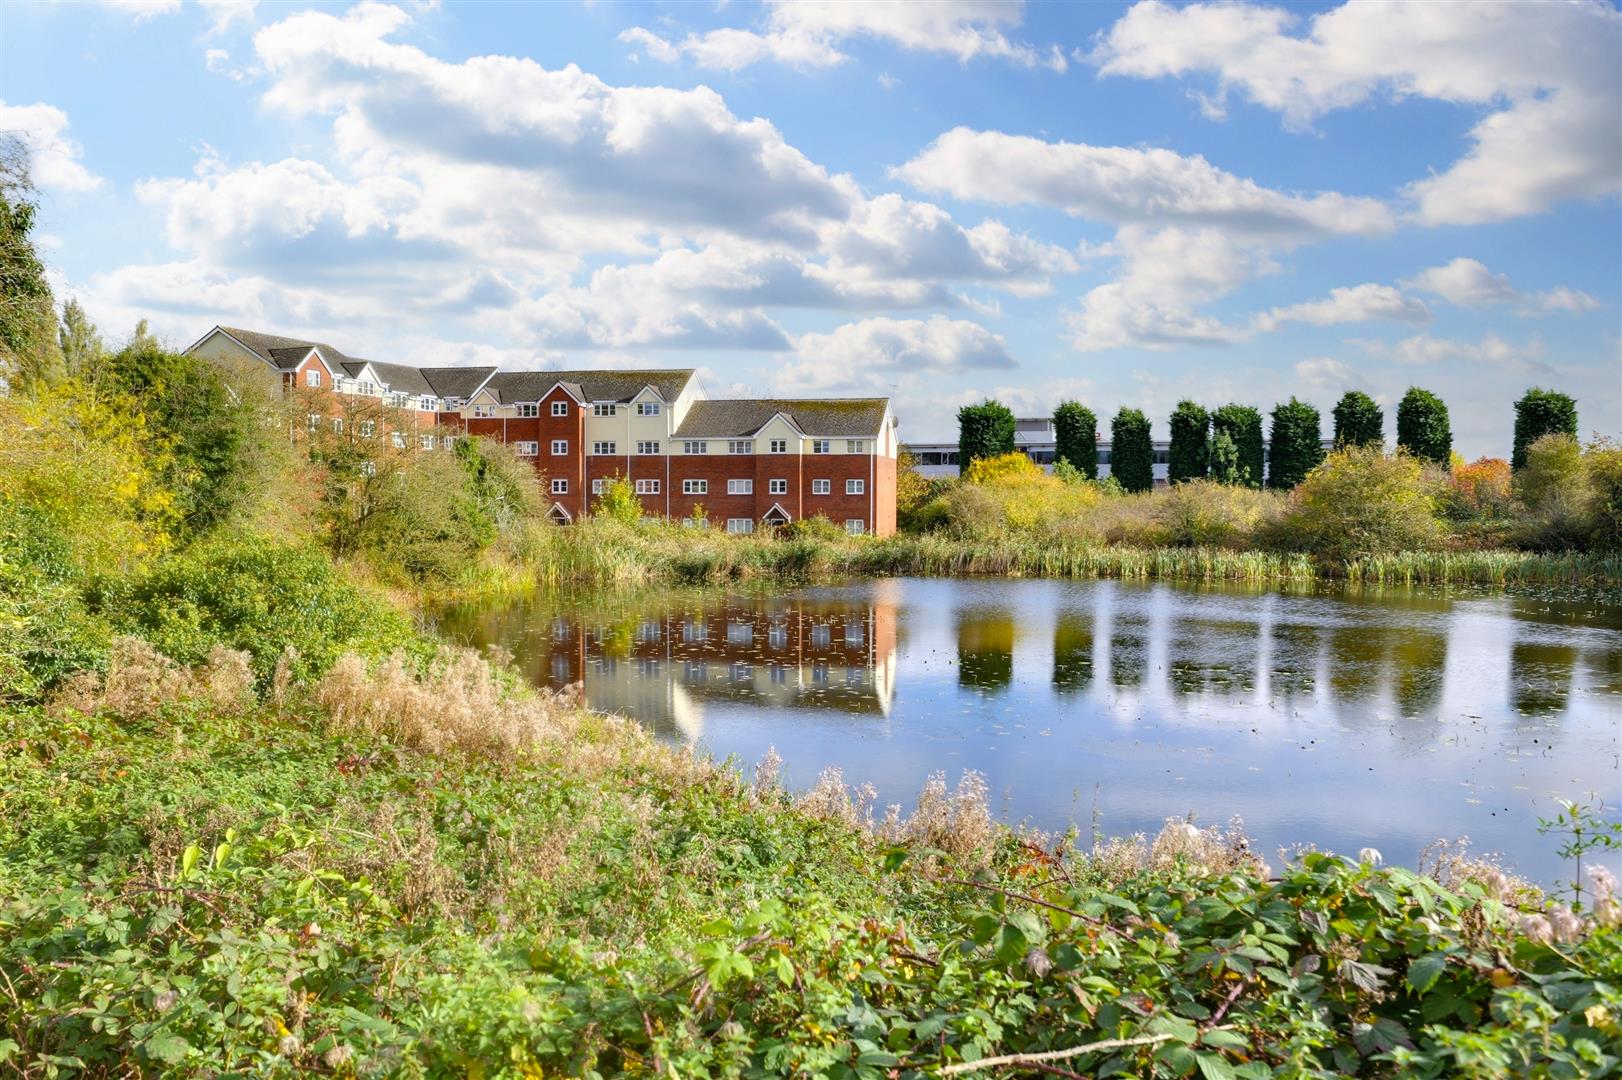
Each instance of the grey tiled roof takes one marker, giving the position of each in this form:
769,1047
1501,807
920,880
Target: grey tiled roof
511,386
456,382
843,417
284,352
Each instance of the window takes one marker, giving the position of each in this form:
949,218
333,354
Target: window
822,487
695,487
448,442
855,487
560,447
312,377
740,487
560,487
337,425
397,439
779,446
777,487
430,404
855,446
855,526
647,408
821,636
315,421
695,447
368,387
740,525
855,633
397,400
528,448
366,428
603,449
368,468
597,486
777,636
529,409
560,408
819,446
647,487
425,441
647,447
741,446
603,408
483,412
739,632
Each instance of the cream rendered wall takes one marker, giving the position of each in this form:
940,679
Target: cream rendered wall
779,428
241,364
690,393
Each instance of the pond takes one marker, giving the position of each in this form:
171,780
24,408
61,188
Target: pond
1340,719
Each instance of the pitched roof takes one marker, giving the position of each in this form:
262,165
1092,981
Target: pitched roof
456,382
843,417
510,386
284,352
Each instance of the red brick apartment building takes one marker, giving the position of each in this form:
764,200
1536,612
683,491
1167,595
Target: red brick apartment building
743,464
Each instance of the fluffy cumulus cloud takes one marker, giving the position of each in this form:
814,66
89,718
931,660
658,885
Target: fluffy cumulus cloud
1468,283
875,352
54,159
1353,304
1423,350
810,33
1545,72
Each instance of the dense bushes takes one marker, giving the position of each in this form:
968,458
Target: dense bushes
1242,426
1075,433
1189,455
1423,429
1296,447
1358,421
1539,413
984,430
1361,502
1131,451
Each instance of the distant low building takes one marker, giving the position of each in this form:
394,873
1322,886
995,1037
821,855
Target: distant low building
741,464
1035,436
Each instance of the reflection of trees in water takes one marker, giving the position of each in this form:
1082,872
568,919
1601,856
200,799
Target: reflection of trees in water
985,648
1540,677
1604,668
1212,655
1418,660
1294,671
1072,653
1129,651
1357,653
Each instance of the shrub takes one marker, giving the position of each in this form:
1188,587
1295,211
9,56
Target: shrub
1003,467
1075,431
818,526
1361,502
45,632
1225,467
1553,471
256,596
1243,426
984,430
1358,421
1604,461
1131,451
618,501
1297,445
1190,453
1422,427
1539,413
1480,489
1206,513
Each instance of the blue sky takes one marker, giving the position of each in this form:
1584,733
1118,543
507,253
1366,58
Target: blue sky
1123,204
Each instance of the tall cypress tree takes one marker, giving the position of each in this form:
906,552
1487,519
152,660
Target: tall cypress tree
1358,421
1297,444
984,430
1132,455
1075,431
1539,413
1243,425
1422,426
1190,438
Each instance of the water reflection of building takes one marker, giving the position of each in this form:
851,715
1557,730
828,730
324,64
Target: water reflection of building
780,653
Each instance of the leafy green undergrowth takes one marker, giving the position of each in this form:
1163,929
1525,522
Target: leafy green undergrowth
200,895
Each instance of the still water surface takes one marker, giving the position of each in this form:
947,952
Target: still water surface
1388,718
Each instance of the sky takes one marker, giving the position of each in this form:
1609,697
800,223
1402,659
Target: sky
1120,204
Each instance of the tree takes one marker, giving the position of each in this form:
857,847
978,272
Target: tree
1075,431
1132,455
1243,426
1364,503
1539,413
618,501
1297,446
1225,466
1190,439
1358,421
82,348
1422,427
984,430
29,355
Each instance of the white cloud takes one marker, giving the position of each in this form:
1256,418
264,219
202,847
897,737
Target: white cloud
1468,283
223,13
875,350
808,34
1130,185
53,157
1352,304
1323,375
143,9
1548,71
1425,350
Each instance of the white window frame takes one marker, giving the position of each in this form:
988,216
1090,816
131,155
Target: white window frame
855,446
695,446
312,378
822,487
367,428
855,487
695,487
560,408
819,446
337,425
597,486
777,487
647,446
603,408
397,440
429,405
647,487
484,412
560,486
740,525
741,487
647,408
368,468
527,410
604,448
855,526
779,446
560,447
425,442
527,448
315,421
740,446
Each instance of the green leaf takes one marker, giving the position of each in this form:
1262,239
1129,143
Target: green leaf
1423,972
167,1048
1215,1067
1224,1040
188,859
785,970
